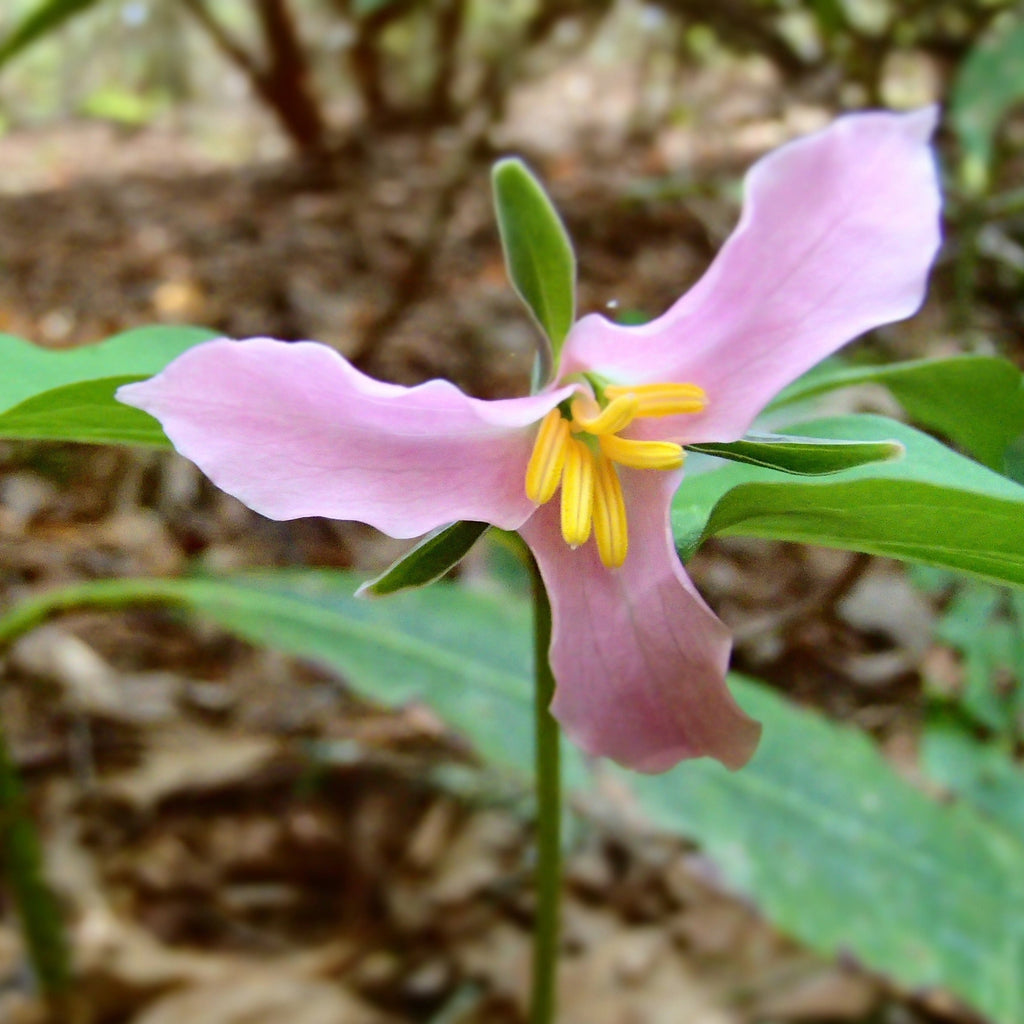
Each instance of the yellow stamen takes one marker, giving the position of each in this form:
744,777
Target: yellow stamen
577,493
661,399
544,469
610,530
642,454
615,416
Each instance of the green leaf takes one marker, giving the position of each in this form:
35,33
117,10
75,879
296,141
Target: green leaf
85,412
43,19
840,853
932,506
30,370
467,655
428,561
985,625
975,401
979,773
817,831
987,84
538,253
803,456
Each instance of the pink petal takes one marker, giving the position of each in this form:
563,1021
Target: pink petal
837,235
293,430
639,659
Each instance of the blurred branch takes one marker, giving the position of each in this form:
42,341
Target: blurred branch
451,20
222,39
365,59
283,82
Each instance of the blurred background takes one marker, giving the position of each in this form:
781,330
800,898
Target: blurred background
234,837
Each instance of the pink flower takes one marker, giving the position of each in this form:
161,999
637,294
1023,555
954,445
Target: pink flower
837,235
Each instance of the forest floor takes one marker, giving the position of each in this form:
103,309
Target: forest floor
204,880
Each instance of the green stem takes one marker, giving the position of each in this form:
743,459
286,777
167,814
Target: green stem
549,818
41,923
21,860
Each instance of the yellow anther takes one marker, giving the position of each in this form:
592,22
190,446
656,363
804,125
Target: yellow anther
661,399
544,469
615,416
642,454
577,493
610,530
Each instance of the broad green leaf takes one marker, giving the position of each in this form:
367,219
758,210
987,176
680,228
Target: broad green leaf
817,831
985,625
43,19
975,401
840,853
465,654
30,370
538,253
803,456
979,773
932,506
428,561
987,84
86,412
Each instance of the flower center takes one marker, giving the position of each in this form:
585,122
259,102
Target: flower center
580,448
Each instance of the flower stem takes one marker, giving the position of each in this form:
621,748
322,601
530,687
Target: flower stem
549,817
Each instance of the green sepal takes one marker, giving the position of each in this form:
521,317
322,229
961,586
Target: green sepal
977,402
539,256
428,561
803,456
933,506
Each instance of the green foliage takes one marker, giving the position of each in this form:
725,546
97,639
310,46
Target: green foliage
975,401
41,21
30,371
842,854
68,395
123,106
985,625
981,774
932,506
87,412
818,831
988,83
538,253
802,456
